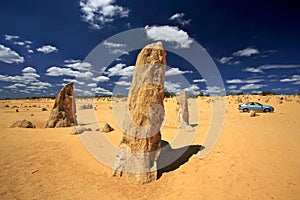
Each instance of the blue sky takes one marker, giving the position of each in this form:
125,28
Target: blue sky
44,44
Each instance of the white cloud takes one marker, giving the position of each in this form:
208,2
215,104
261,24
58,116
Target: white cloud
278,66
193,89
9,56
92,85
176,71
231,87
47,49
113,45
295,79
72,60
253,70
102,91
30,51
172,87
115,48
99,12
29,75
118,70
123,83
29,70
169,34
199,80
11,37
101,79
15,86
246,52
252,86
179,18
57,71
73,81
235,81
81,66
20,43
225,60
215,90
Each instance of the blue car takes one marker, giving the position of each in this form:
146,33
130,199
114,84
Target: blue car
246,107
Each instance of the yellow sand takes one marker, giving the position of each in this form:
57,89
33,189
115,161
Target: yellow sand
255,157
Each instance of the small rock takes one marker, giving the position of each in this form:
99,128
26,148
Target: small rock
22,124
252,113
107,128
80,129
17,110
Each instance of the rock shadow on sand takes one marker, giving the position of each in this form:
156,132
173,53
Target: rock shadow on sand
171,159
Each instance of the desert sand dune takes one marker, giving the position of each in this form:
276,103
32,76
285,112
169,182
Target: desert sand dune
255,157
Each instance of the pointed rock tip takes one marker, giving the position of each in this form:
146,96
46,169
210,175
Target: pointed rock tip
155,45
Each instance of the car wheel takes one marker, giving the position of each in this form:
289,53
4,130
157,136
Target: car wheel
267,110
245,110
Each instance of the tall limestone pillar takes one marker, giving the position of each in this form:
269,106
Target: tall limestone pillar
140,145
182,110
63,113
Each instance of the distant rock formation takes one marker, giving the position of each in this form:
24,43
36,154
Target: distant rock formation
140,145
182,110
23,124
63,113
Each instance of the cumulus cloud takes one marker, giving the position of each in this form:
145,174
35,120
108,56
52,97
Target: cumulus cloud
173,87
99,12
199,80
81,66
225,60
58,71
176,71
253,70
11,37
231,87
294,79
72,81
101,91
120,70
193,89
116,48
9,56
101,79
235,81
28,79
278,66
123,83
169,34
252,86
47,49
215,90
178,17
92,85
246,52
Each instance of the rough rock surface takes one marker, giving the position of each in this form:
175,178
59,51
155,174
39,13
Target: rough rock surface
22,124
140,145
80,129
107,128
252,113
182,110
63,112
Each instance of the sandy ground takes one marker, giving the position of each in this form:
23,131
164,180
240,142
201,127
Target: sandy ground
254,158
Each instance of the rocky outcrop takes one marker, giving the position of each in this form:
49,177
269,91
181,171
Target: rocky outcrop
22,124
182,110
140,145
63,113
